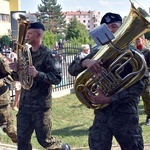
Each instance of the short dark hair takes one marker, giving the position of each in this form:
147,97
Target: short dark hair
111,18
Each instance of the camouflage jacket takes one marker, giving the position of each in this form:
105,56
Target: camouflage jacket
39,95
146,53
5,81
125,101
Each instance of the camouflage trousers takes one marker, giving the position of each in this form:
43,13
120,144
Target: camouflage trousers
7,122
123,126
30,120
146,97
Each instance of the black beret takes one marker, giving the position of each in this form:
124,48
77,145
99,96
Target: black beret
37,25
111,18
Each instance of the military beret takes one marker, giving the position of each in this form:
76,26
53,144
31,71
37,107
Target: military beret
37,25
111,18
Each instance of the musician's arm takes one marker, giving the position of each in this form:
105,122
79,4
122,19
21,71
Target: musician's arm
131,93
77,64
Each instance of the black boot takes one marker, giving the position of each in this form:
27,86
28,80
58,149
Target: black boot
147,121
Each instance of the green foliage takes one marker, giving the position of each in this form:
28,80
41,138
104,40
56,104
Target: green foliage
5,40
77,33
52,17
147,35
49,39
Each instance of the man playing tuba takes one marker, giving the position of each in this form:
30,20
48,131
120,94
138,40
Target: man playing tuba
120,118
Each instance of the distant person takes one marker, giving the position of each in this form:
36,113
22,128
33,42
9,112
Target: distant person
85,51
61,45
142,45
16,84
56,46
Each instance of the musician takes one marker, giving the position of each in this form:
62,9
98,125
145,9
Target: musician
120,118
142,45
36,103
6,112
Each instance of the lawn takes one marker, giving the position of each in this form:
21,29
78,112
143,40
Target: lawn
71,121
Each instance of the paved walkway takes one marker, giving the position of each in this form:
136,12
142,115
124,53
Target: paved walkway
12,147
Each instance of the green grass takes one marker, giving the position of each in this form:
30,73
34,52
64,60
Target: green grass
71,121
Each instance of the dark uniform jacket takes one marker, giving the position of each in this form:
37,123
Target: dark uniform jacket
40,94
5,81
124,101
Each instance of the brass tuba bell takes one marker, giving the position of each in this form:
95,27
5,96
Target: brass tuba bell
116,56
23,53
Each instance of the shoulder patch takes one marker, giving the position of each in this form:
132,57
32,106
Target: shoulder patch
53,55
57,65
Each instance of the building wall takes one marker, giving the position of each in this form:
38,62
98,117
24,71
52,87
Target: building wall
90,19
6,6
15,5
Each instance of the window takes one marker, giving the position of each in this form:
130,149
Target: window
0,17
5,17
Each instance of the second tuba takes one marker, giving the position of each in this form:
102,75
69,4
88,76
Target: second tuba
23,52
116,57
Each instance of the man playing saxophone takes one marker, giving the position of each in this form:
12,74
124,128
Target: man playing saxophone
120,118
36,103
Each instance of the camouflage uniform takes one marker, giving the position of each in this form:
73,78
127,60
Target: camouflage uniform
6,115
146,93
36,103
119,119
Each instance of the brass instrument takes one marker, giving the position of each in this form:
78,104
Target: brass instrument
117,57
23,53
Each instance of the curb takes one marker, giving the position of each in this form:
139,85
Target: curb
114,147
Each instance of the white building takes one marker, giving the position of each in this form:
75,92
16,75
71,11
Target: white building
6,6
90,19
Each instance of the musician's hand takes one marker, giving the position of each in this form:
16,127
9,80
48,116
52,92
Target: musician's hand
100,98
14,65
32,71
95,66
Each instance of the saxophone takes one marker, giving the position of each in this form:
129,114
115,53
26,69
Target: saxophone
115,59
23,52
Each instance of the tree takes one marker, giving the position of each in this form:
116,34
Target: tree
51,16
147,35
76,31
5,40
49,39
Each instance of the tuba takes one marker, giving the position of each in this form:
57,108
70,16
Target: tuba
23,52
116,56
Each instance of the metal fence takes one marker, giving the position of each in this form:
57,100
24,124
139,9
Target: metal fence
68,53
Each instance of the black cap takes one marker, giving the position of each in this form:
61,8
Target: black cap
111,18
37,25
